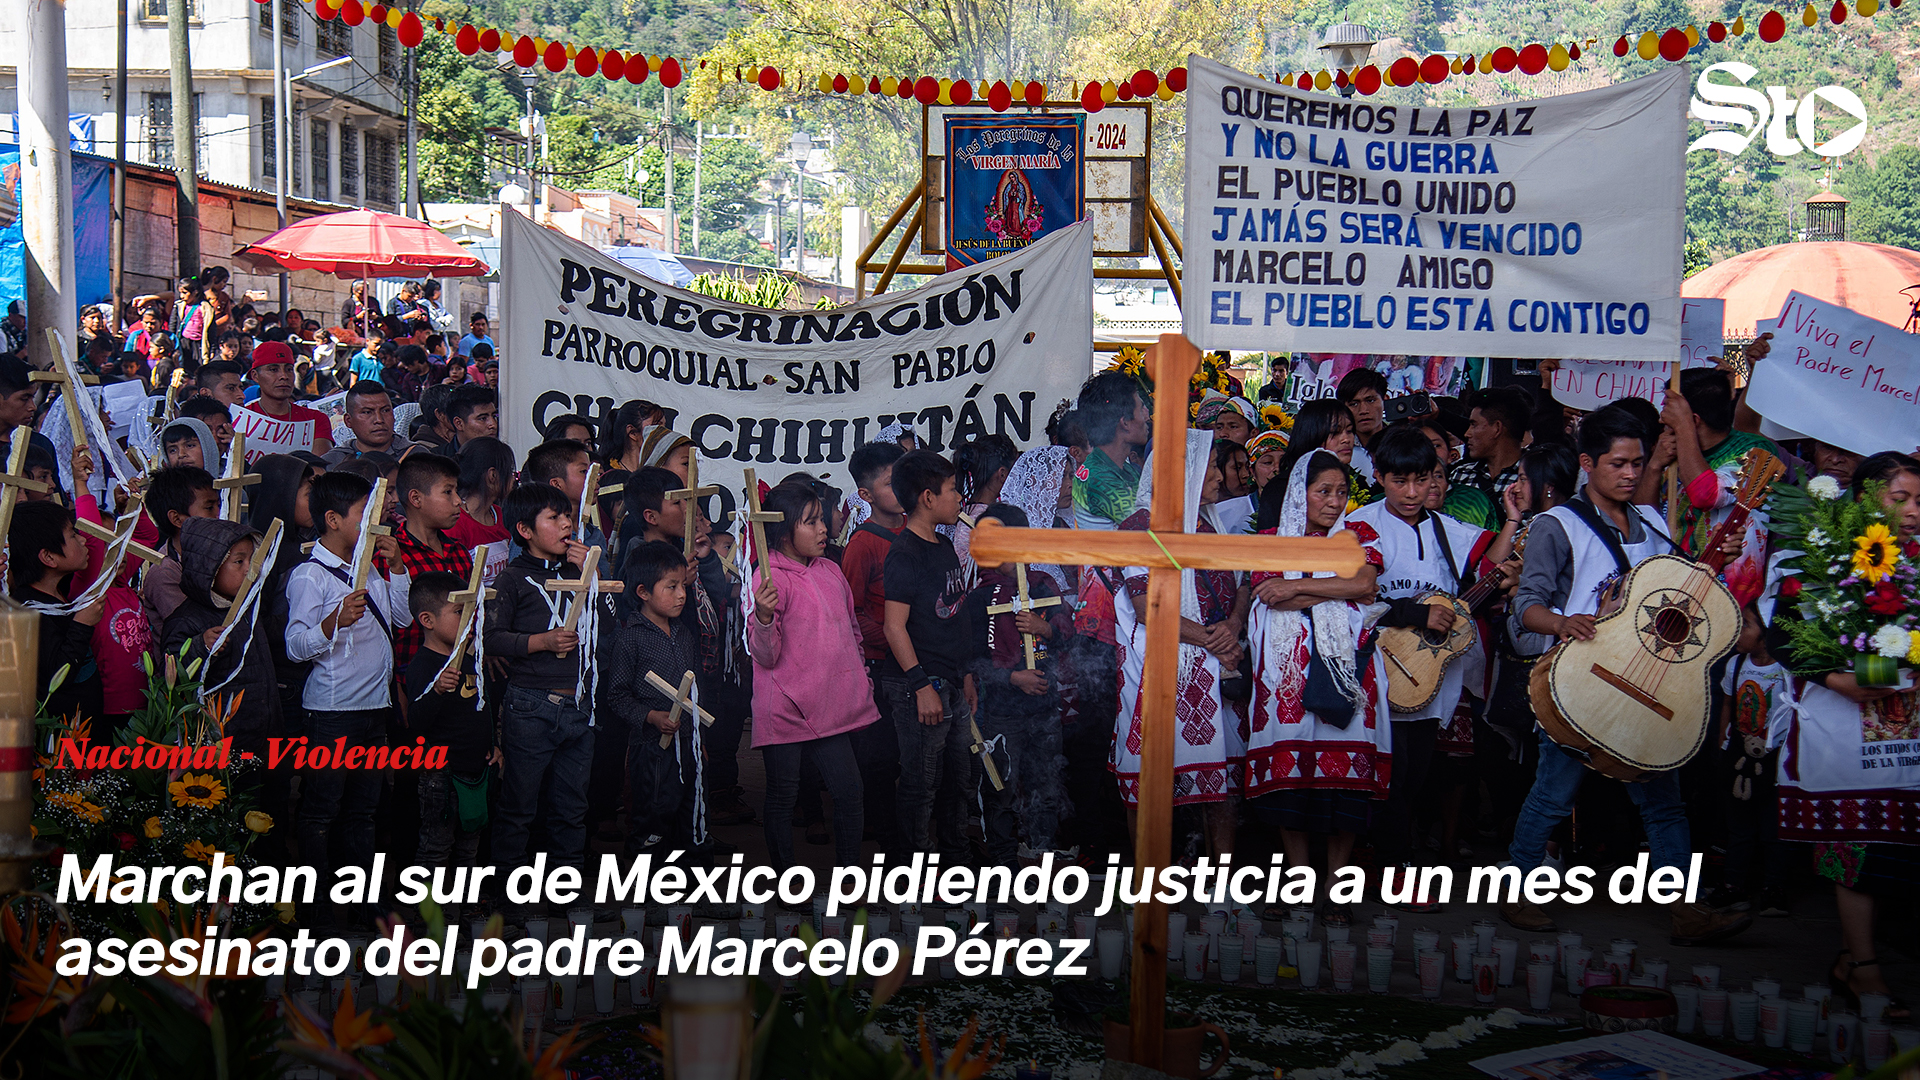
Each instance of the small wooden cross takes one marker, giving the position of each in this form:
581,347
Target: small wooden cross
582,589
370,526
589,503
757,520
234,482
1025,603
470,599
255,568
68,392
16,477
691,496
1166,549
110,536
682,698
979,746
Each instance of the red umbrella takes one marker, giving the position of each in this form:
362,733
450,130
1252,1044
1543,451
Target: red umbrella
362,244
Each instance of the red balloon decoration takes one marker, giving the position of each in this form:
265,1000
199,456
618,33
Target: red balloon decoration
840,84
1468,65
999,98
1674,45
1716,31
1505,59
613,65
637,69
1305,82
907,88
325,11
1090,98
927,90
411,30
1368,81
1573,51
1404,71
1177,80
769,78
378,13
1145,83
1036,94
467,40
1340,79
523,53
1533,59
353,13
489,40
1839,11
1435,69
1773,26
555,57
1125,90
586,62
961,92
670,73
873,84
1620,47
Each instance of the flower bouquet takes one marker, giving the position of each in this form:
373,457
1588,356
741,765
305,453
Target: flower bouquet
1856,591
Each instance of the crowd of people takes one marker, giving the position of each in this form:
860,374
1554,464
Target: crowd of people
877,664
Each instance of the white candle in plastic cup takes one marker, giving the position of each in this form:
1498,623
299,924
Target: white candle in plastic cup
1380,936
1214,924
786,925
580,916
1391,923
1542,949
1006,923
533,999
1339,934
1821,996
1767,987
495,1001
633,920
603,989
1566,940
562,994
833,926
1341,957
537,930
1486,972
878,924
1290,949
1506,951
1309,953
1268,952
1657,968
1425,938
1540,985
385,987
1432,966
1574,959
1483,931
681,915
1713,1012
1085,927
1193,956
1176,934
1379,968
1113,945
1801,1018
1686,998
753,929
1872,1007
910,923
1876,1043
1773,1021
1743,1009
1233,950
1463,957
1707,975
753,909
1843,1037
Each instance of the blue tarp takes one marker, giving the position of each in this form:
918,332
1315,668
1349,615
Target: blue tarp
657,265
92,231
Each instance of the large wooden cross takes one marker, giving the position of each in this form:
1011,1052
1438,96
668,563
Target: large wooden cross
69,393
235,479
1165,550
589,513
370,526
256,570
691,496
16,477
757,521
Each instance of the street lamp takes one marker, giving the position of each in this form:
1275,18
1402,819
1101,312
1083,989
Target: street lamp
801,147
282,152
1347,45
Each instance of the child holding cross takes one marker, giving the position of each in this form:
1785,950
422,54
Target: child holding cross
1018,622
653,640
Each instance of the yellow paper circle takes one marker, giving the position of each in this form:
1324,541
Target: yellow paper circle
1322,80
393,18
1866,8
1809,16
946,91
857,85
1740,26
1649,45
1109,91
1557,57
1693,35
889,86
1165,93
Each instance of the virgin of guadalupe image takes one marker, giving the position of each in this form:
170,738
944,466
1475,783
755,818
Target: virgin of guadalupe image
1013,214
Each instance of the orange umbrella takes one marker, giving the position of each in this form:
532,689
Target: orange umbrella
362,244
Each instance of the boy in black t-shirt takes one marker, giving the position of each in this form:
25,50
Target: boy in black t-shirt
444,708
928,633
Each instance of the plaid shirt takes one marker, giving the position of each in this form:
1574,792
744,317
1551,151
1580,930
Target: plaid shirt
418,559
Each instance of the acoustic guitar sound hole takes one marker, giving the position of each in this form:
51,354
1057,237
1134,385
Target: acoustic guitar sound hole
1672,626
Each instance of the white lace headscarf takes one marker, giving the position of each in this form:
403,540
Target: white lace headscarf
1199,456
1033,485
894,432
1334,636
110,463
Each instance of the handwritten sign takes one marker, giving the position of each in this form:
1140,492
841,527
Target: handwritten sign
1840,377
1589,384
265,435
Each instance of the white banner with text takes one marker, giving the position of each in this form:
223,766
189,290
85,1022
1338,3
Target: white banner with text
1840,377
1589,384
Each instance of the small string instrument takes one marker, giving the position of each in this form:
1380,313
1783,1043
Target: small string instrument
1417,657
1758,471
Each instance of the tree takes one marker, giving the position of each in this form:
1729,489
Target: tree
1886,199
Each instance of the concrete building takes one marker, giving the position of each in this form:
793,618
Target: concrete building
348,133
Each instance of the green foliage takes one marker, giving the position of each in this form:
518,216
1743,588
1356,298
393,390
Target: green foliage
1886,199
735,246
769,290
1842,603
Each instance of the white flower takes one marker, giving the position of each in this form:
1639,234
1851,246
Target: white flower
1400,1053
1824,487
1891,641
1504,1018
1441,1040
1817,537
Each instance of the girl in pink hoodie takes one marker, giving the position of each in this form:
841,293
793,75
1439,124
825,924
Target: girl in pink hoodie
810,687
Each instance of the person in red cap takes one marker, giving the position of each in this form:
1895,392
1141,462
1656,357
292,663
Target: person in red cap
273,373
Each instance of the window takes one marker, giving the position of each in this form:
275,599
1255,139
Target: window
291,17
160,130
332,37
382,165
349,164
320,153
269,136
296,123
389,52
156,10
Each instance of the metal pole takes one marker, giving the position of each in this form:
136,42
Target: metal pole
120,161
699,155
282,104
186,148
46,178
673,225
413,179
799,214
528,79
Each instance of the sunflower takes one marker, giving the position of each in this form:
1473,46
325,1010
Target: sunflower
76,804
152,828
200,852
197,789
1875,553
258,822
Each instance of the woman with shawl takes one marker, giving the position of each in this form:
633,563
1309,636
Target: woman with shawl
1317,772
1210,742
1037,484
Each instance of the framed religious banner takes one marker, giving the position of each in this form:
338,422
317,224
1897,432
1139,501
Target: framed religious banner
1009,181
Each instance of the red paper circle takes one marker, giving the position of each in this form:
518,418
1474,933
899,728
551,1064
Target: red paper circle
489,40
586,62
840,84
670,73
523,53
1674,45
1177,80
873,84
1090,98
1773,26
378,13
1340,79
906,88
999,98
1036,93
1573,51
1368,81
613,65
637,69
467,40
411,30
1404,71
1145,82
325,11
1533,59
353,13
1620,47
927,90
555,57
1435,69
1505,59
1716,31
1125,90
1839,11
961,92
769,78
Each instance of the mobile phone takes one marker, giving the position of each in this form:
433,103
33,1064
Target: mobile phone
1408,406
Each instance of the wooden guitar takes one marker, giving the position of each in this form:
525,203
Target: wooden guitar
1417,658
1758,471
